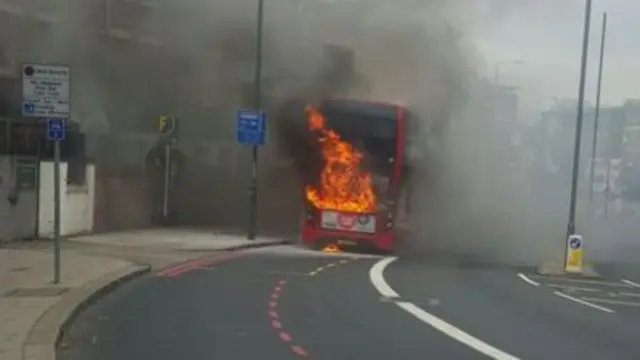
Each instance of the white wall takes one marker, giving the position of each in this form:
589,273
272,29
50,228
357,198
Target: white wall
76,202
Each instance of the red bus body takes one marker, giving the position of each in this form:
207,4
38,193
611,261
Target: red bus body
376,231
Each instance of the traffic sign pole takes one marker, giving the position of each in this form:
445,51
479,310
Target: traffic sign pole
168,129
167,181
56,132
571,225
56,211
45,93
253,188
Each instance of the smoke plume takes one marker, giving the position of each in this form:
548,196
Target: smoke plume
413,51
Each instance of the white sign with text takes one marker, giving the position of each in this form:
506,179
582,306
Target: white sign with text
45,90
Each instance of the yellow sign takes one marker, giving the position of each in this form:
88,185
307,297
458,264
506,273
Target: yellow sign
162,123
575,250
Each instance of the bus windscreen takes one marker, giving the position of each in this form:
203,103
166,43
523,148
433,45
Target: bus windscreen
375,134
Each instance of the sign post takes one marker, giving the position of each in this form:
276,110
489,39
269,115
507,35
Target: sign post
45,94
168,129
575,250
251,131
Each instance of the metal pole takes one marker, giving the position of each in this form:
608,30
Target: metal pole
571,225
496,73
596,120
56,212
167,182
607,189
253,190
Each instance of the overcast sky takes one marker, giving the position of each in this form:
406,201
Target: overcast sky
546,36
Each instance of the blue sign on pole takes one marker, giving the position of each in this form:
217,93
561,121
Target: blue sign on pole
575,243
251,127
56,129
29,108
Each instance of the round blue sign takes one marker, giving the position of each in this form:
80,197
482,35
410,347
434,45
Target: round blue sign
575,243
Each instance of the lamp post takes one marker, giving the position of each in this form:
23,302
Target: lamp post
571,225
596,120
257,103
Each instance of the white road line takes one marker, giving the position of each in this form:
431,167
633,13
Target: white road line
527,280
585,303
631,283
613,302
628,294
578,281
570,288
376,275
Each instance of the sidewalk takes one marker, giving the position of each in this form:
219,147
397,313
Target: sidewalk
33,309
27,292
178,240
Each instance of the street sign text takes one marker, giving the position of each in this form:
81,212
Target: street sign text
251,127
45,90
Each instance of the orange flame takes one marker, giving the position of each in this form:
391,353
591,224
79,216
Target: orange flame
343,187
331,248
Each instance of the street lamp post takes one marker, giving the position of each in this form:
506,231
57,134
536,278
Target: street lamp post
596,120
257,104
571,225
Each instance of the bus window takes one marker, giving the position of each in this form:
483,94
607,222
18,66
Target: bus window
413,136
4,137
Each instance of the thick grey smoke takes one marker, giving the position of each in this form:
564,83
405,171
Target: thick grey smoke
415,51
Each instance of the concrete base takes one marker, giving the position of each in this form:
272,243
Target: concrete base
552,268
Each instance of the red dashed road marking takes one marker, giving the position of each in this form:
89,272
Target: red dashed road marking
285,337
196,265
298,350
277,325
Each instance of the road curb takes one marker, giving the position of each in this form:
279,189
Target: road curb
247,246
46,333
210,252
556,269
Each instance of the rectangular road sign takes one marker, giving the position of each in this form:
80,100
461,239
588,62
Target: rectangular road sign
575,251
56,129
251,127
45,91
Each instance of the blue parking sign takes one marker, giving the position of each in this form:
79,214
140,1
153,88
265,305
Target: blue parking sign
251,127
56,129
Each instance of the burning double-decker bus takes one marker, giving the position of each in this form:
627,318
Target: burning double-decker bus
358,195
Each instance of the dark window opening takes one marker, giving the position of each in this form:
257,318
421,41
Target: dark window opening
29,138
24,139
73,152
376,135
370,128
4,138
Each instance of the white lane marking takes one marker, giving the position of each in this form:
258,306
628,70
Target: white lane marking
631,283
527,280
612,302
578,281
628,294
570,288
585,303
376,276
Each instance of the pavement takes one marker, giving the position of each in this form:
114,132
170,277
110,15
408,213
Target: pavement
283,302
92,266
176,239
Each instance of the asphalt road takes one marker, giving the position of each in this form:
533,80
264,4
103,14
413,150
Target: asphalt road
285,304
